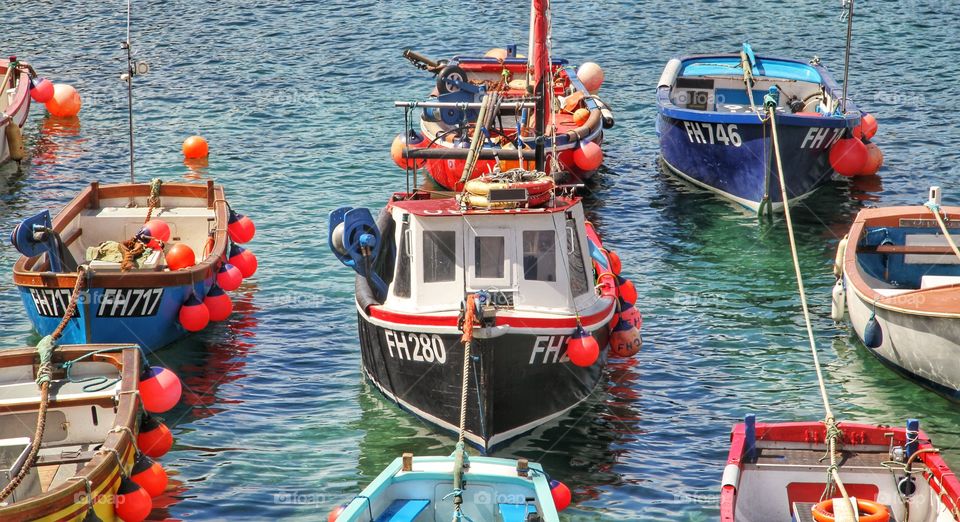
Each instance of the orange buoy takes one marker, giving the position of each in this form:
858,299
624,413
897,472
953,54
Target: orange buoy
65,102
630,314
625,340
154,439
580,116
582,349
411,140
848,156
132,503
497,54
160,389
870,511
149,475
588,156
615,265
591,76
180,256
195,147
626,290
867,128
874,160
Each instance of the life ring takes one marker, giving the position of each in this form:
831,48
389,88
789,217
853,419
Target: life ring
476,200
484,184
870,511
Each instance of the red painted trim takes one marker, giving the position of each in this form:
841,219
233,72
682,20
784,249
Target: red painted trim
853,434
378,312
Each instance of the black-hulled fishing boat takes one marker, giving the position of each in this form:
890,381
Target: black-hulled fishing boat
546,295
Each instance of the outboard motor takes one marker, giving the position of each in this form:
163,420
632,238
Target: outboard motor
35,236
355,239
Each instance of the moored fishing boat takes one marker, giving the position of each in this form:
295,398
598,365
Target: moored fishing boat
422,488
714,133
88,398
109,248
546,294
899,277
776,472
14,107
535,96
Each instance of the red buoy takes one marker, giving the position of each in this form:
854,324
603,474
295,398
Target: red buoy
582,349
154,438
625,340
132,503
158,230
411,140
244,260
180,256
626,290
868,127
588,156
229,277
218,303
160,389
561,494
149,475
630,314
848,156
874,160
41,90
194,315
240,227
615,265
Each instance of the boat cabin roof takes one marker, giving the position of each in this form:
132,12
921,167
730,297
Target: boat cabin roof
729,65
420,204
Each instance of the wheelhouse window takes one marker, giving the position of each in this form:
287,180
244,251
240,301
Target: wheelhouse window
401,283
539,255
579,283
439,257
488,257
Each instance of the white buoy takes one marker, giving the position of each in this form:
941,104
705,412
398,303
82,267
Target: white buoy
839,302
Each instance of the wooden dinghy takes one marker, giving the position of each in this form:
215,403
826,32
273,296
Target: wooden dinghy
14,107
91,424
899,278
776,472
158,298
417,489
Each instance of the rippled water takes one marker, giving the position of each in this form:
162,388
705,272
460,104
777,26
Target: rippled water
295,99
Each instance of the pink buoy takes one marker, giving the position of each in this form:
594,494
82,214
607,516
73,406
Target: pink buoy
588,156
194,315
591,76
630,314
229,277
625,340
160,389
41,90
218,303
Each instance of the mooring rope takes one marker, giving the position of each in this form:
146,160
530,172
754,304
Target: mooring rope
44,375
153,200
469,320
843,510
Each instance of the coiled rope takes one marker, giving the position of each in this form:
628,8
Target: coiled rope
843,510
44,374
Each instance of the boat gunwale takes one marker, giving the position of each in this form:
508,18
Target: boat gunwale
22,99
102,470
909,302
89,197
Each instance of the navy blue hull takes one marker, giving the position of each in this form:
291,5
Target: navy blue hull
736,159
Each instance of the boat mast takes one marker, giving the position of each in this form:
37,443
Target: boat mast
541,75
848,6
128,77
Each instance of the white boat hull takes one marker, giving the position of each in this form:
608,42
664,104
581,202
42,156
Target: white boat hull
927,348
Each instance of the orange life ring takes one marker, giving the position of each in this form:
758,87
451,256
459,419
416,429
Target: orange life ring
870,511
483,185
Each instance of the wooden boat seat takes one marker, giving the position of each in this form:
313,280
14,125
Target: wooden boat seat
934,281
516,512
403,510
905,249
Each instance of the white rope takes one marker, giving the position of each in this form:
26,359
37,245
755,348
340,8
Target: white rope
843,511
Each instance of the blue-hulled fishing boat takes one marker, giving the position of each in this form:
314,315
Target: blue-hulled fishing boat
138,303
714,133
